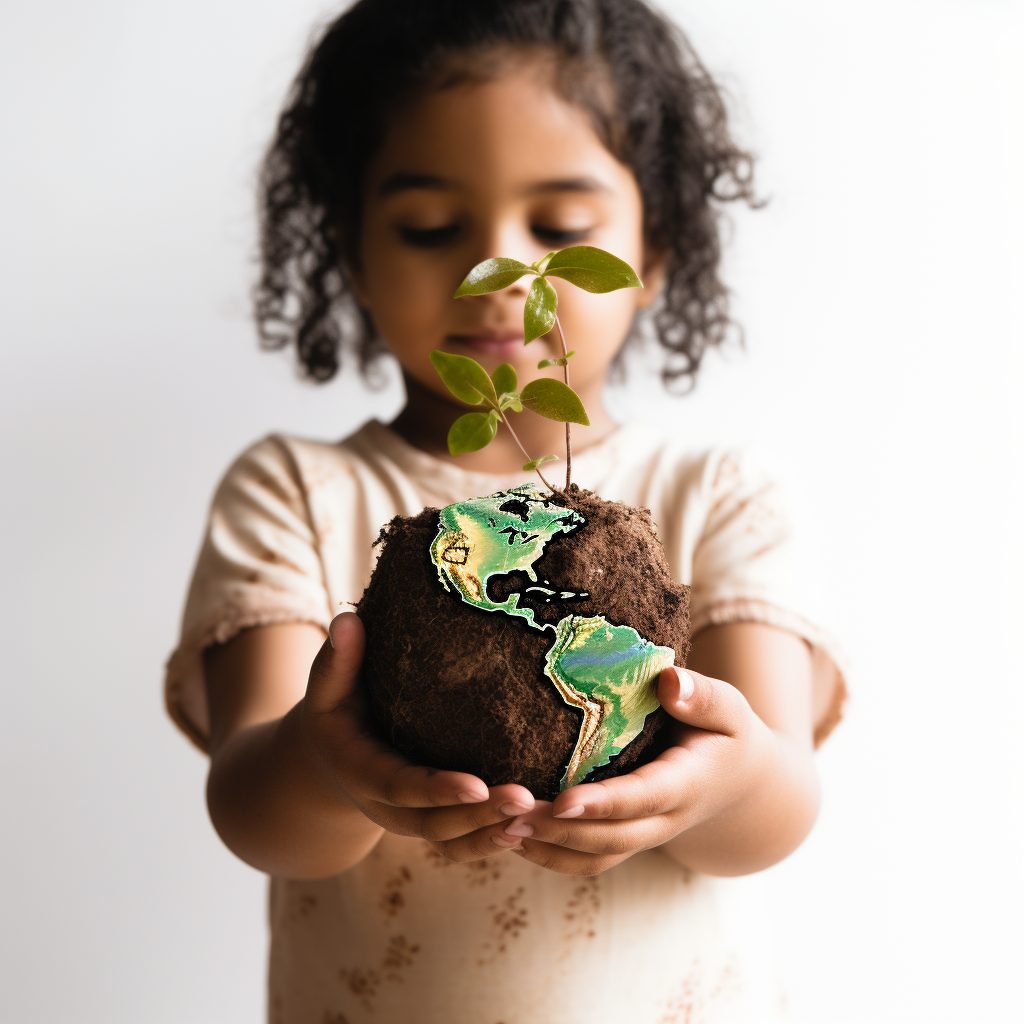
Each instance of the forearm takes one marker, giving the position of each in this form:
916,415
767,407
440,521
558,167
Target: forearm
763,825
273,808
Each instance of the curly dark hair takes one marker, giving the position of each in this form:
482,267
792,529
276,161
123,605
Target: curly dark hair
659,112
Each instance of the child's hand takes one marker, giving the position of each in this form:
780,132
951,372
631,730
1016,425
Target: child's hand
730,796
407,799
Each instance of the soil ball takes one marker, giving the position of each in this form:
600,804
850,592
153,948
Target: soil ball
519,637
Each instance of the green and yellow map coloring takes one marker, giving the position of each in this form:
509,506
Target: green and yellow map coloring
609,672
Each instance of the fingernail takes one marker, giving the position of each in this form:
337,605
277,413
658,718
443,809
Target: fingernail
685,684
472,798
512,808
519,828
505,844
571,812
330,632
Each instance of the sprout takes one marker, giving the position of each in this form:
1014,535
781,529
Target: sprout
592,269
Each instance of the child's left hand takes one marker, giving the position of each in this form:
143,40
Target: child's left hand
730,796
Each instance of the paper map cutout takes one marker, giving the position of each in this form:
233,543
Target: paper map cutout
609,672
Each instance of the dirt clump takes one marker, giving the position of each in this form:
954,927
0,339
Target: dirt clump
456,687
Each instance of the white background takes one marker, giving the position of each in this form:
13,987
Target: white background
881,294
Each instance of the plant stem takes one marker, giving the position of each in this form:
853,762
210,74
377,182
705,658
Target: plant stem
504,419
565,375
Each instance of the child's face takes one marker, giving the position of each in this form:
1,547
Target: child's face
500,168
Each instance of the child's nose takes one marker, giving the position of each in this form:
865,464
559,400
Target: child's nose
509,239
521,287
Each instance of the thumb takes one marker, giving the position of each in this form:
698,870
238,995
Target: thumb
701,701
335,671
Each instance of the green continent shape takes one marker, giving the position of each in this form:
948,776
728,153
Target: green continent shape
608,672
617,670
490,536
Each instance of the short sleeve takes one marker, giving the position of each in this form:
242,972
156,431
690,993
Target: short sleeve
259,565
748,568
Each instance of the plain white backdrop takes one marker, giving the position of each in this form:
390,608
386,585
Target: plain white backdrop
881,296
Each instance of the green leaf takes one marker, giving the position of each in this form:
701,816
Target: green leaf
539,316
510,400
472,432
465,378
592,269
504,378
492,276
560,361
551,398
534,463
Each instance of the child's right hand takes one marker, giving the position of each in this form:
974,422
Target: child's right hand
403,798
299,787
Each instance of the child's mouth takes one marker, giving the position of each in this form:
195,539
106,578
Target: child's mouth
490,343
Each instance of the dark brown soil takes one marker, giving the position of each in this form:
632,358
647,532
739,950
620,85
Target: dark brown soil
456,687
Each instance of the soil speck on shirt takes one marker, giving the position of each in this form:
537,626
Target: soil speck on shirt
699,989
477,872
362,984
582,910
392,900
508,920
400,954
683,1004
301,905
480,872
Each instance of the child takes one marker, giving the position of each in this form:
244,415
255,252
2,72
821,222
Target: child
422,137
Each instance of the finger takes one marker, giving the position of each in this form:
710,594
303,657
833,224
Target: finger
603,838
335,671
442,824
484,842
667,782
663,785
702,702
366,768
566,862
371,771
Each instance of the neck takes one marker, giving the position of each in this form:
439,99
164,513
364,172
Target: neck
426,417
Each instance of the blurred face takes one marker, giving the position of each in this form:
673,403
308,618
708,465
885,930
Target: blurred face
499,168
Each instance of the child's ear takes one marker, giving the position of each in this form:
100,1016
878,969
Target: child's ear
653,276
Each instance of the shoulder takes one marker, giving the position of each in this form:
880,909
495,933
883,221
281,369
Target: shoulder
288,467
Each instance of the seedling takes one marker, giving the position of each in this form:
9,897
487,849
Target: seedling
591,269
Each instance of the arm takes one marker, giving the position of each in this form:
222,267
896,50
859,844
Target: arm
298,786
735,792
268,800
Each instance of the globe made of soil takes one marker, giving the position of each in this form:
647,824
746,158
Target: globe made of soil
519,637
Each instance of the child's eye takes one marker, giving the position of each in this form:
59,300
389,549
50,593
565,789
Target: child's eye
429,237
553,236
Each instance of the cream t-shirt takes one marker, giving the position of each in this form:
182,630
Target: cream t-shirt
406,937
